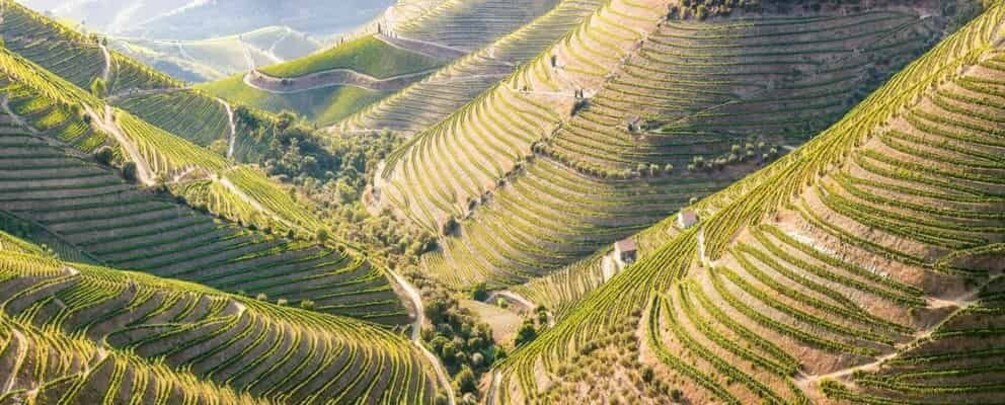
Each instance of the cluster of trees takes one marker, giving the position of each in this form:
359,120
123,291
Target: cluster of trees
463,344
749,152
531,327
333,172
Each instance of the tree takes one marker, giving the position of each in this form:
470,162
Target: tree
98,87
129,172
307,304
103,155
465,381
449,226
525,334
479,292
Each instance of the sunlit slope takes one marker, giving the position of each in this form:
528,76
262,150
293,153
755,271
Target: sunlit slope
865,266
406,51
471,24
368,55
93,210
688,108
87,334
425,103
146,93
74,116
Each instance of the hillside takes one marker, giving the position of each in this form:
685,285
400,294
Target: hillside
77,333
433,99
864,267
623,126
409,42
93,209
217,58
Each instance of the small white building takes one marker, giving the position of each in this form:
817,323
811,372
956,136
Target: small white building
625,251
687,218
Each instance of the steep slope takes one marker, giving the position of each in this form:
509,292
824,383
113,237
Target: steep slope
425,103
128,337
444,32
92,209
610,130
865,266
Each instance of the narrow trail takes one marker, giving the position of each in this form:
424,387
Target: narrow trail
962,303
225,182
107,73
701,249
232,139
21,352
490,394
184,54
134,92
5,104
331,78
425,48
106,123
420,318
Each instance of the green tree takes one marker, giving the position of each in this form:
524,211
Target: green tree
104,155
465,381
526,333
98,87
129,172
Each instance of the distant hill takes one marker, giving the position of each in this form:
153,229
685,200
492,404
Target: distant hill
197,20
199,41
453,33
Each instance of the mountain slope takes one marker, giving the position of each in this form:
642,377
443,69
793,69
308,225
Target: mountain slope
119,326
445,31
611,135
832,274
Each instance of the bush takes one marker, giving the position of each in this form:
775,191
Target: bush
129,172
465,381
479,292
307,304
104,156
525,334
449,226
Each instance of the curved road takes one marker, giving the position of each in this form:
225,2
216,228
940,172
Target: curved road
416,338
330,78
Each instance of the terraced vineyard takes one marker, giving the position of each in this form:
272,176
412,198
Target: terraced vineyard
864,267
425,103
78,333
538,187
203,128
496,35
92,209
470,25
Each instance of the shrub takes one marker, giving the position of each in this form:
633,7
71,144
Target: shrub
465,381
449,226
525,334
307,304
104,156
479,292
129,172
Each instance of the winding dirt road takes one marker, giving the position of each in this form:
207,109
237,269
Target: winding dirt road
330,78
416,338
106,123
